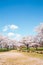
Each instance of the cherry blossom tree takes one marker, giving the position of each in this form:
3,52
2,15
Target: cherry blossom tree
27,41
39,36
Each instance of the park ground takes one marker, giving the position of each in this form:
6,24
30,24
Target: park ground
20,58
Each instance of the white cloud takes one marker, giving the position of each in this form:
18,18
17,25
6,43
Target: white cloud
17,36
10,27
13,27
10,34
8,31
5,28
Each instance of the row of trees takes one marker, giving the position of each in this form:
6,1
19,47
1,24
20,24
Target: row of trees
36,40
6,42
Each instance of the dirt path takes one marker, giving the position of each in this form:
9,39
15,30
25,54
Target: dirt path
17,58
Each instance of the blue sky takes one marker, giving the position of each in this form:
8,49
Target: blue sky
24,14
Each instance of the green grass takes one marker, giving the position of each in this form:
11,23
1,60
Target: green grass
3,49
32,49
23,49
40,49
6,49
